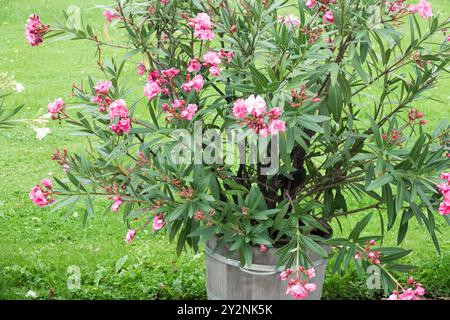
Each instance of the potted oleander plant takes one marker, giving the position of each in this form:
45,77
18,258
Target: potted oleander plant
252,125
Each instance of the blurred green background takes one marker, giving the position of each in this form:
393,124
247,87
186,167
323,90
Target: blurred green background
37,247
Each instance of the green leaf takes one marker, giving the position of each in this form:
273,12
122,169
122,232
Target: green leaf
359,227
380,181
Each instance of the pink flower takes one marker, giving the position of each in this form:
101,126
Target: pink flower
47,183
444,208
211,58
103,87
117,202
310,287
424,8
151,89
35,30
130,235
329,16
141,69
276,126
255,105
194,66
189,112
56,107
393,296
226,55
215,71
118,109
39,197
177,104
358,256
420,291
408,294
110,15
297,291
311,273
239,109
158,223
445,176
412,8
122,126
310,3
291,20
275,112
285,274
263,248
202,26
196,84
170,73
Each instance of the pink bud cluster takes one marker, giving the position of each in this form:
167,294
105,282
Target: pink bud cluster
40,195
413,293
393,138
35,30
202,26
253,113
299,97
444,188
372,256
416,116
299,288
55,108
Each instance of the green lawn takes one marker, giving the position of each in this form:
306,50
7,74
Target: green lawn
37,246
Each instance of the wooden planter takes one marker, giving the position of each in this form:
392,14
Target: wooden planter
227,280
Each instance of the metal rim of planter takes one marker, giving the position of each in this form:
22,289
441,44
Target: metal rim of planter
255,269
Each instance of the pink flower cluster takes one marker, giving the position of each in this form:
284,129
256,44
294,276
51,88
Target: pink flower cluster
56,108
373,256
253,113
202,26
159,82
444,188
212,60
118,112
299,288
35,30
195,84
40,195
289,21
423,8
102,98
179,110
413,293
